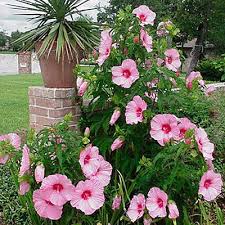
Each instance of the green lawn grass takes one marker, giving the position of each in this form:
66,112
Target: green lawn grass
14,101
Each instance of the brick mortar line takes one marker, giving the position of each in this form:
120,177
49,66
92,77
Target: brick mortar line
41,107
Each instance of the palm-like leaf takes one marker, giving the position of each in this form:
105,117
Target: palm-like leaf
53,26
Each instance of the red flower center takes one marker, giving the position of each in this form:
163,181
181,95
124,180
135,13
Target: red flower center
144,38
86,195
139,112
86,159
200,142
207,183
182,132
169,60
57,187
48,202
166,128
160,202
139,208
107,51
126,73
142,17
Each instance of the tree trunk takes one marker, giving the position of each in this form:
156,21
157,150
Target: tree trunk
197,49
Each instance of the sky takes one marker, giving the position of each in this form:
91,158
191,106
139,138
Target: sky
10,22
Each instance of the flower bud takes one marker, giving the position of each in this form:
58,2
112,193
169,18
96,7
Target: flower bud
80,81
83,88
115,117
136,39
173,210
117,144
116,202
24,188
87,132
160,62
39,173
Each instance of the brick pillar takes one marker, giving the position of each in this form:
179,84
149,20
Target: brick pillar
48,106
24,62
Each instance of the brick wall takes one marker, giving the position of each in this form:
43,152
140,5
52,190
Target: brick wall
48,106
24,62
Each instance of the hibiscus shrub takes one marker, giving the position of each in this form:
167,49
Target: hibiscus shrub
145,157
148,121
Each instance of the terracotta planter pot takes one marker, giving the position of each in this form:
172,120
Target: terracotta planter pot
57,74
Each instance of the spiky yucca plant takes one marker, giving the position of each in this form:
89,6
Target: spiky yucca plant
56,25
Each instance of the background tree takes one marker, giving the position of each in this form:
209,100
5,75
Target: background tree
200,19
14,36
3,39
163,8
216,32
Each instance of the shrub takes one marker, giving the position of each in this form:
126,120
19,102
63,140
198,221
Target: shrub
213,69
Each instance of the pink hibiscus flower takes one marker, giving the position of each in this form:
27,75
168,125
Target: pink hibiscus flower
184,125
103,174
204,144
145,15
59,188
156,202
191,77
88,196
126,74
209,90
134,110
116,202
202,83
164,127
80,81
25,163
146,40
117,144
136,208
44,207
173,210
39,173
15,140
89,160
115,116
105,47
24,188
83,88
172,60
4,137
210,185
